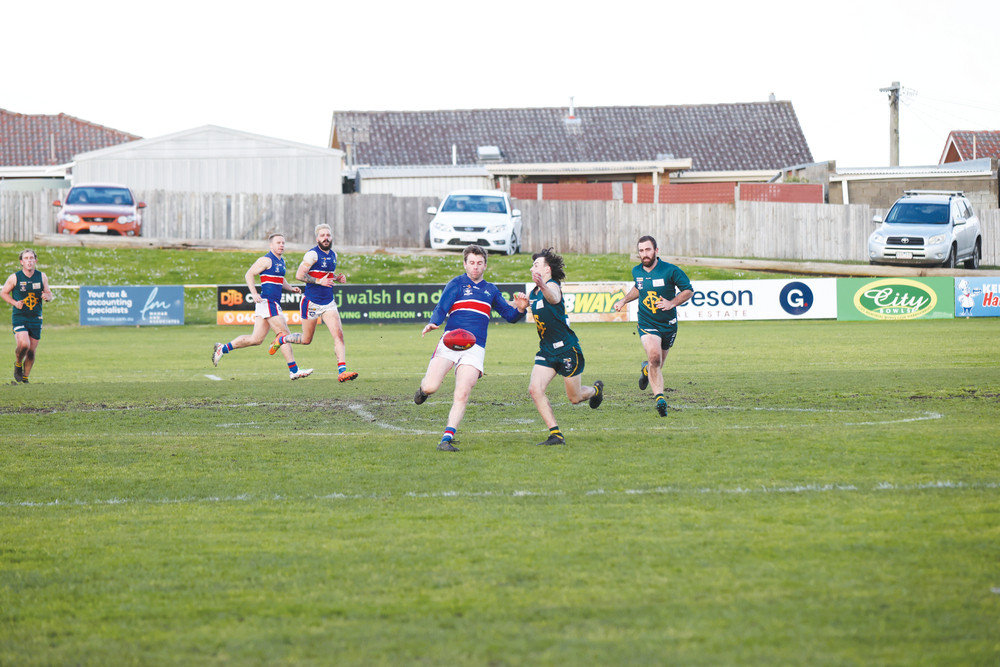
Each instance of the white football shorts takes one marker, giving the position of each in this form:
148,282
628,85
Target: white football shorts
315,311
267,309
475,356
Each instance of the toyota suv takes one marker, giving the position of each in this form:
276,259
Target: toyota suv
99,209
928,228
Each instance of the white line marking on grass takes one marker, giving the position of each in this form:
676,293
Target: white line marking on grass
922,416
520,493
213,377
360,411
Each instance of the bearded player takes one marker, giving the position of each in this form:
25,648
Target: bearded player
318,272
662,287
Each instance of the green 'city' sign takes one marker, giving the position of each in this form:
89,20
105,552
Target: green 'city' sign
895,298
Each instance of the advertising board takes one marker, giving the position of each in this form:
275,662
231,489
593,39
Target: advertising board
978,296
895,298
777,299
131,305
370,304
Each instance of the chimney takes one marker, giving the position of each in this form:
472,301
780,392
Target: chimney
573,124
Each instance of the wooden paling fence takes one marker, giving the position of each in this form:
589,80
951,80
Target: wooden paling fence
748,229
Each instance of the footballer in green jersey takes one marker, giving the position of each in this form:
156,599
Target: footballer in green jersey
660,288
25,291
559,349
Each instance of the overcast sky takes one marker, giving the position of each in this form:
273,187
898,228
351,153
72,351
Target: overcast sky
280,69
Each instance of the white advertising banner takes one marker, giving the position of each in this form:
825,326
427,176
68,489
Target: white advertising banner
780,299
784,299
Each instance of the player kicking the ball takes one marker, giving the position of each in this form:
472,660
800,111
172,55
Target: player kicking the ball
467,302
268,315
559,349
317,272
662,287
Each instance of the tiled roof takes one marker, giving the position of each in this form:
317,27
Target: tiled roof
47,140
987,144
717,137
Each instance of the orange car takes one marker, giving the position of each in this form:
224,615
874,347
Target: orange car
100,209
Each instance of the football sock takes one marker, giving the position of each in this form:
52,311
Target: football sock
645,370
227,348
281,340
658,398
293,367
556,432
449,434
341,366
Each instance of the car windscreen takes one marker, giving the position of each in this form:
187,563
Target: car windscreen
474,204
119,196
922,214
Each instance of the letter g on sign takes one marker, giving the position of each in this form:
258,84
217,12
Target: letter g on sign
796,298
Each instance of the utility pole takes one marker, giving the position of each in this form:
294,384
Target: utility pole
893,91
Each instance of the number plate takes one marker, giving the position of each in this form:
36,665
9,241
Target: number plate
902,254
99,228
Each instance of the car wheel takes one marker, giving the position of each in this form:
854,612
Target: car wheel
427,239
514,246
950,262
977,256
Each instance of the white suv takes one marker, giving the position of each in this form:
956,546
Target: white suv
928,228
483,217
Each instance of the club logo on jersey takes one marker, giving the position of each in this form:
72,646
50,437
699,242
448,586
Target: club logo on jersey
540,326
651,300
31,301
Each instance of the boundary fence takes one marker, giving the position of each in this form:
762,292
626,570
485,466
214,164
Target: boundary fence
745,229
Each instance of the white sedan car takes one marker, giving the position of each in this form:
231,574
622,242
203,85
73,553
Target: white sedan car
483,217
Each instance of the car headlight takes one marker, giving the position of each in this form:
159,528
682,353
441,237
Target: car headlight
937,238
440,227
71,218
126,220
877,238
496,229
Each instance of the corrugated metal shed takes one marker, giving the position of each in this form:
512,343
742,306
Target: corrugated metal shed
215,159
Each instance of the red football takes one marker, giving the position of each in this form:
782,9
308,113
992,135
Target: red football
458,339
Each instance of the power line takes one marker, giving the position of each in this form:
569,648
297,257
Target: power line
962,104
949,122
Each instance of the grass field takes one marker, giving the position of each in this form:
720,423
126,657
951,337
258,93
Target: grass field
822,493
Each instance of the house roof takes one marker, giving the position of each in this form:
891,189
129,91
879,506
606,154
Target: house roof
38,140
716,137
209,141
969,145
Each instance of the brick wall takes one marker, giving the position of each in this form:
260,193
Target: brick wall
686,193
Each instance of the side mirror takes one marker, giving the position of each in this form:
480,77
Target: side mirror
877,219
141,204
516,213
57,203
432,210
